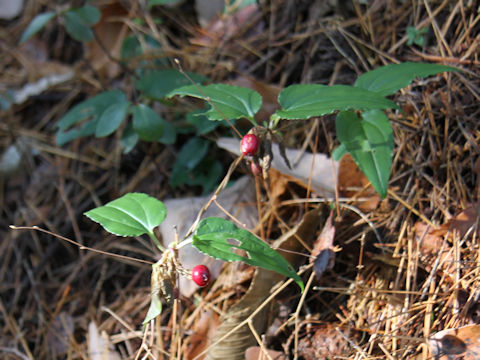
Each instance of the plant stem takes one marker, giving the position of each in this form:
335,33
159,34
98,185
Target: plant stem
156,241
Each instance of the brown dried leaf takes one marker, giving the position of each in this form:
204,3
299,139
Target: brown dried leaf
59,334
323,255
353,183
278,185
225,27
232,345
455,344
203,331
111,32
326,342
465,220
430,241
256,353
462,222
99,346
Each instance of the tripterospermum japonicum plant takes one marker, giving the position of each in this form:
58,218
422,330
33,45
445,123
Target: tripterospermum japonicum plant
363,130
136,214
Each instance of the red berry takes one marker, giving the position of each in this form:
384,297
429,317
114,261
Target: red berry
249,145
255,168
201,275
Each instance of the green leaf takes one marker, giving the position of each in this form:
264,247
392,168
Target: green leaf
78,22
206,174
111,119
234,6
131,47
304,101
86,115
76,28
191,154
129,139
147,123
369,140
339,152
133,214
201,123
221,239
161,2
89,15
158,84
154,310
231,102
416,36
169,134
386,80
37,24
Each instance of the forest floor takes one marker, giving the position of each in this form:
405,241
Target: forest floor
405,283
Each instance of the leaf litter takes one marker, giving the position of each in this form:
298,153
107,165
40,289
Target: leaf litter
412,295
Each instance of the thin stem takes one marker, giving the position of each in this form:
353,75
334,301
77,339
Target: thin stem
80,246
156,241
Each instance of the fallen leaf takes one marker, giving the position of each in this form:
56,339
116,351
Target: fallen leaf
203,331
278,185
256,353
461,223
10,9
326,342
60,334
99,347
352,183
430,242
224,27
455,344
323,255
322,174
465,220
431,245
238,200
110,31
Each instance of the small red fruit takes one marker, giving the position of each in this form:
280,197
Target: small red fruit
201,275
249,145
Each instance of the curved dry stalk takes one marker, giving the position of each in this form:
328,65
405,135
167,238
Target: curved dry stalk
234,334
202,211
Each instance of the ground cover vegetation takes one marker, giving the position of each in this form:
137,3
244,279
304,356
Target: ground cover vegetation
111,106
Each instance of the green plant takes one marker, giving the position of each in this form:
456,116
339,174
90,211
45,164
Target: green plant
78,22
363,130
362,127
135,214
134,115
416,36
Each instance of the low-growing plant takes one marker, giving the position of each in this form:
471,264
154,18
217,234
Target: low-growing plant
136,214
416,36
363,129
114,110
78,22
